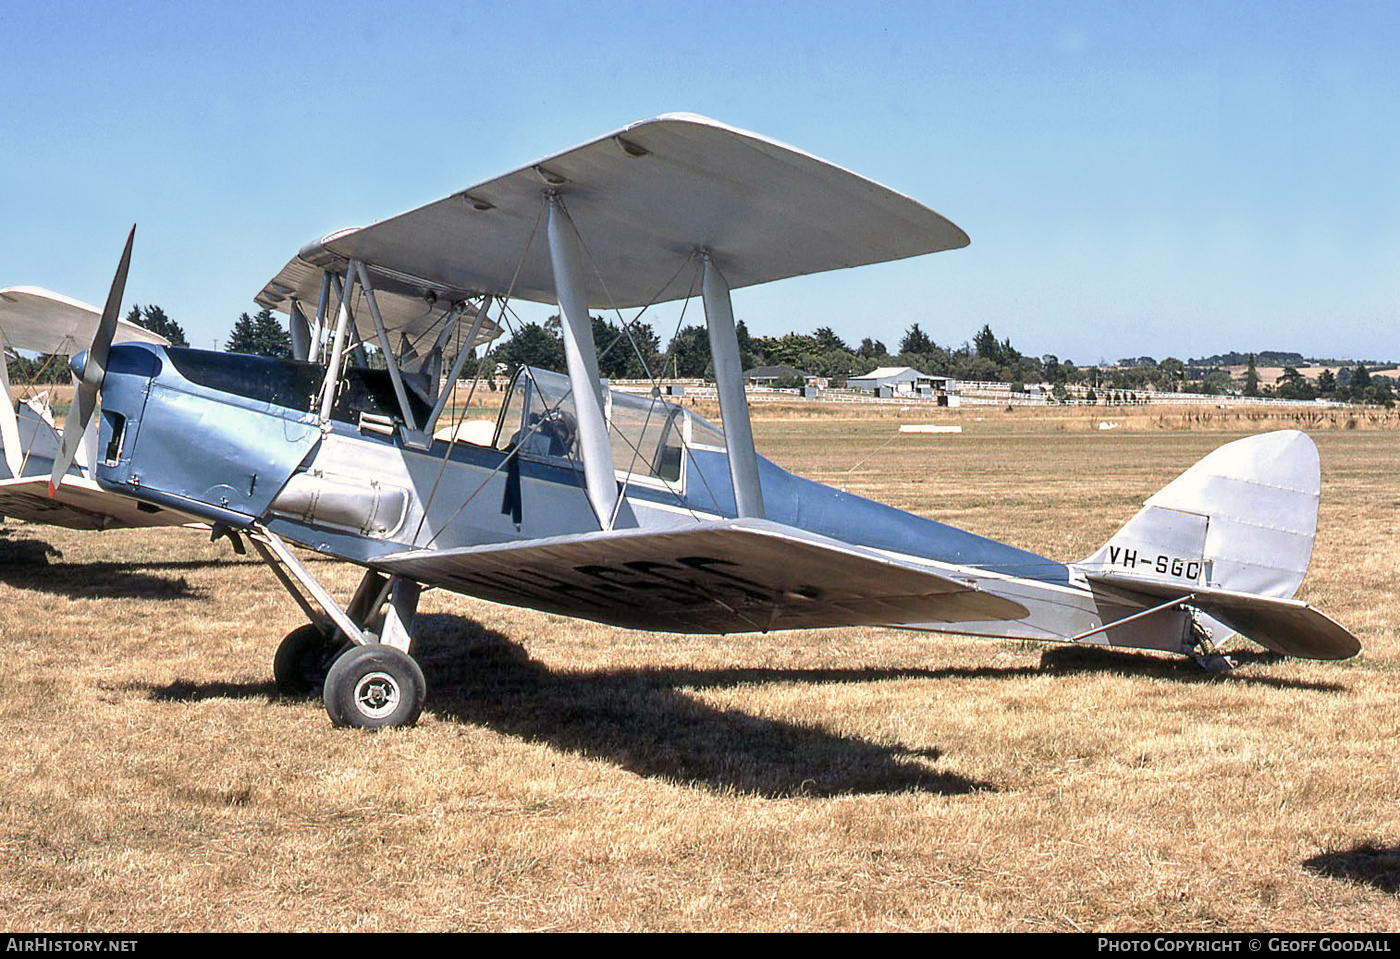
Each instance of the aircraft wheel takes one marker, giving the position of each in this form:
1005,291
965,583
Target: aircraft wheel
302,659
374,686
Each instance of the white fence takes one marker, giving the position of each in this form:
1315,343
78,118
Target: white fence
973,393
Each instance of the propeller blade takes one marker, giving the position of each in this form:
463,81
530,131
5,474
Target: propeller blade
91,373
84,403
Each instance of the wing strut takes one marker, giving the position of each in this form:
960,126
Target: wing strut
463,354
582,356
300,331
390,357
729,383
9,422
337,347
322,304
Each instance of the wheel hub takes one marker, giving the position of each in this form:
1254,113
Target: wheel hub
376,695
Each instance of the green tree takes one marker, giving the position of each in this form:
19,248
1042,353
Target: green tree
260,335
154,319
828,342
533,344
630,354
689,355
872,349
1251,378
1293,385
916,341
986,345
1171,372
1360,379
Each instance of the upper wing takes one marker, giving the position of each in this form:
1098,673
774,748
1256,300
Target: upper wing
1286,626
644,199
45,322
79,503
720,577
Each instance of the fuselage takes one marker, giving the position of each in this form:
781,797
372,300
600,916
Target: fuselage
233,439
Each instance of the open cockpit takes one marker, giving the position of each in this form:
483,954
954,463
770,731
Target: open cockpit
647,434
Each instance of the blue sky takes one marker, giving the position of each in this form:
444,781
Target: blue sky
1172,178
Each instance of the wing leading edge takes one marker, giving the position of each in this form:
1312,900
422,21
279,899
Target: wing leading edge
721,577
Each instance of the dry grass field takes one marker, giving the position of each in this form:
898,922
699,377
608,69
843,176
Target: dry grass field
570,776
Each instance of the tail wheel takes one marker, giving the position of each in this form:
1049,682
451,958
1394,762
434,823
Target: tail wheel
1201,646
373,687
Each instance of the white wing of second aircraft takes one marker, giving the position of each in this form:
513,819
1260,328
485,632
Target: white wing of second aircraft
42,321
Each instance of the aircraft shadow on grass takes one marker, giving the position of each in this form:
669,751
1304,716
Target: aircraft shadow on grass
1365,863
1100,659
645,721
27,564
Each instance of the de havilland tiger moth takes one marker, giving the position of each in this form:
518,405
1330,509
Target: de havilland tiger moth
620,508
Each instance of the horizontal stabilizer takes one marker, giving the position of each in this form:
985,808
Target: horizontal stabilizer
722,577
1286,626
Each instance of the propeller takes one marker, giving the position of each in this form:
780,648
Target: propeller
89,370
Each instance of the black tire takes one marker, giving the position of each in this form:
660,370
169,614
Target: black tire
302,660
374,687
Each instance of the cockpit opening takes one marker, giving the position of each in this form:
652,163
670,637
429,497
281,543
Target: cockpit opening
648,435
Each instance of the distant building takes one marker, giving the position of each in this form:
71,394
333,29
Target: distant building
900,380
790,376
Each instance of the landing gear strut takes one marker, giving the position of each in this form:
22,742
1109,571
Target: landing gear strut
357,656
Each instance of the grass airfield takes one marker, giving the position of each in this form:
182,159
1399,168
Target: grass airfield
578,777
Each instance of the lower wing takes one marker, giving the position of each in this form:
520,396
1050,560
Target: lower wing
722,577
79,503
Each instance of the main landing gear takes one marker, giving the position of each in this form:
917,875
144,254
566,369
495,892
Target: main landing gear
357,657
369,687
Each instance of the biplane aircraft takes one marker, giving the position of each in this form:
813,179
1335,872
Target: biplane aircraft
625,509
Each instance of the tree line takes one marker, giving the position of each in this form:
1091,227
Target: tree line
634,351
260,333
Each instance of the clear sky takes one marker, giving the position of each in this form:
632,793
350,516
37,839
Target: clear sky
1166,178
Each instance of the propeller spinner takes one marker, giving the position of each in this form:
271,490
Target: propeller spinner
89,370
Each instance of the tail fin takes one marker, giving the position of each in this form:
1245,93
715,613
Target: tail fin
1242,519
1235,533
